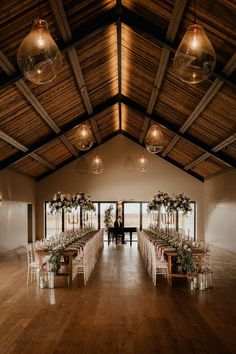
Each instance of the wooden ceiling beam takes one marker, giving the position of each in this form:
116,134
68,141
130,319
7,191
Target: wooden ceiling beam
177,15
133,20
12,142
171,127
173,162
206,99
73,158
42,161
65,129
145,28
30,97
218,147
82,33
119,56
25,150
64,28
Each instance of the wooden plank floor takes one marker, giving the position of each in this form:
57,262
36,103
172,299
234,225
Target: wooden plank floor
119,311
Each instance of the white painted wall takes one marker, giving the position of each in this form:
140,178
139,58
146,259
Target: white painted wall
120,179
220,210
16,192
13,220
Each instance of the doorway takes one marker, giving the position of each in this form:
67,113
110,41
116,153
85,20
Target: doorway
30,222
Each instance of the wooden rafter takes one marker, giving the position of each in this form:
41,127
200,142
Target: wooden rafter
30,97
65,129
25,150
172,128
218,147
64,28
73,158
209,95
178,11
173,162
119,57
137,23
144,27
138,108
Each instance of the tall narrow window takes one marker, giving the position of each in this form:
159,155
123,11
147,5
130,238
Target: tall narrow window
53,222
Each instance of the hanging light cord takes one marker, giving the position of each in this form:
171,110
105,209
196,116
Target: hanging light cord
40,9
194,12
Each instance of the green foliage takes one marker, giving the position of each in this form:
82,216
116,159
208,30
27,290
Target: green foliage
55,261
186,260
108,217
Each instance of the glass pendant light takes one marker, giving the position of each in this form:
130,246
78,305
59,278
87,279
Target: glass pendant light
154,139
83,137
195,57
97,165
142,163
38,55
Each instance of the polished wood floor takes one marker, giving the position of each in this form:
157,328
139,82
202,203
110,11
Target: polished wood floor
119,310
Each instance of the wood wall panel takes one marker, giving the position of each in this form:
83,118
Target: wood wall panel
54,152
184,152
6,150
30,166
61,98
82,11
140,59
16,18
209,167
158,12
19,120
108,121
98,59
177,99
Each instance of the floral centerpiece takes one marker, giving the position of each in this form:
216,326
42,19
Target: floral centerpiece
60,201
82,200
159,200
182,203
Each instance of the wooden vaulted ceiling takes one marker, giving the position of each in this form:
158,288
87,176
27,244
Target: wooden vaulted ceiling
117,76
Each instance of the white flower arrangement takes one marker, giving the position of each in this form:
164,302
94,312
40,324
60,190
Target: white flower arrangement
182,203
61,201
160,199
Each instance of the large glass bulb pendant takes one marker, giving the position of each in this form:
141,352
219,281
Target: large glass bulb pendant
142,163
154,139
83,137
195,57
97,165
38,55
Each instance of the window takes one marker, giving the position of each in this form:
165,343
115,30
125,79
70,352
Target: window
188,222
53,222
72,220
131,214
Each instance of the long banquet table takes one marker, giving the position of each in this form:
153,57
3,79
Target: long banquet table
87,249
153,247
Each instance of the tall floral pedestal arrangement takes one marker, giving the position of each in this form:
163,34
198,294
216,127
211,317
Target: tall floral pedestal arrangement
159,202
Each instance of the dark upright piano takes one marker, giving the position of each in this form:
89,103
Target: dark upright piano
129,229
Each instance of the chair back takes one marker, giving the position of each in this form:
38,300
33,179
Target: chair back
30,252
